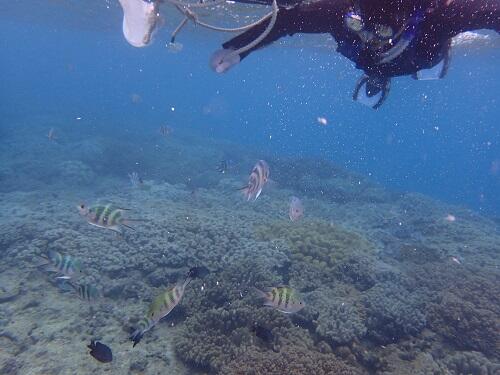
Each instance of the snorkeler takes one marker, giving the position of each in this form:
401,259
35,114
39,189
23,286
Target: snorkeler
384,38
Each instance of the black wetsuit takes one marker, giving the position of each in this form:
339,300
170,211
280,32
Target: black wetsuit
435,23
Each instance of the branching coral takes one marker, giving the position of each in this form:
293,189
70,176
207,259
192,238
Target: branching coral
336,319
317,249
464,363
393,312
290,360
467,326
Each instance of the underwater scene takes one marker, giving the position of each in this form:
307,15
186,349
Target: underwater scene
250,187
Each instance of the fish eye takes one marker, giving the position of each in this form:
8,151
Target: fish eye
82,206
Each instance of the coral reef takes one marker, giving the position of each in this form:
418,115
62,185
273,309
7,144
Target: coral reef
393,312
319,252
336,318
382,294
293,360
463,363
467,326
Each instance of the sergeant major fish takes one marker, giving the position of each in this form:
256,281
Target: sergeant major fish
161,306
87,292
282,298
65,265
258,178
107,217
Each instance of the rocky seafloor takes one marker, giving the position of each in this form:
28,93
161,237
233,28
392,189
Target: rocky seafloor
391,286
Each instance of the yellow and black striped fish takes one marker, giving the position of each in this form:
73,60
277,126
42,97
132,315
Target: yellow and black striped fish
87,292
159,308
258,178
282,298
106,216
66,266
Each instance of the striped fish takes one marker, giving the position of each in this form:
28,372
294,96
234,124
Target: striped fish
159,308
256,181
282,298
165,131
65,265
87,292
107,217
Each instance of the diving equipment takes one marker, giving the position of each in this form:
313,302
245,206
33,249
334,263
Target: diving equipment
371,91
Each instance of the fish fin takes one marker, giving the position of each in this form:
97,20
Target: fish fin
44,265
97,225
114,228
242,188
128,226
136,337
268,304
123,209
261,293
64,277
257,195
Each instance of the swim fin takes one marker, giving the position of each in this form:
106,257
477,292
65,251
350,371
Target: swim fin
140,19
438,71
371,91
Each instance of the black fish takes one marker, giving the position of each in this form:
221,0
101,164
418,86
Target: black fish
198,272
263,333
100,351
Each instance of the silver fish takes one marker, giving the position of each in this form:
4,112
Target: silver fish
258,178
296,210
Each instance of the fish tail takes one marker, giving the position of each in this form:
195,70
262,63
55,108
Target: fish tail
260,293
136,337
128,226
126,223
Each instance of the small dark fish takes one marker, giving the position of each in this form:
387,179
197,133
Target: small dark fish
100,351
198,272
263,333
222,167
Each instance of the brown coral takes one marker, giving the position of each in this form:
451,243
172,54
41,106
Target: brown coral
290,360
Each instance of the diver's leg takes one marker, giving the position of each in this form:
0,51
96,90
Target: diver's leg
224,59
456,16
285,25
320,16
